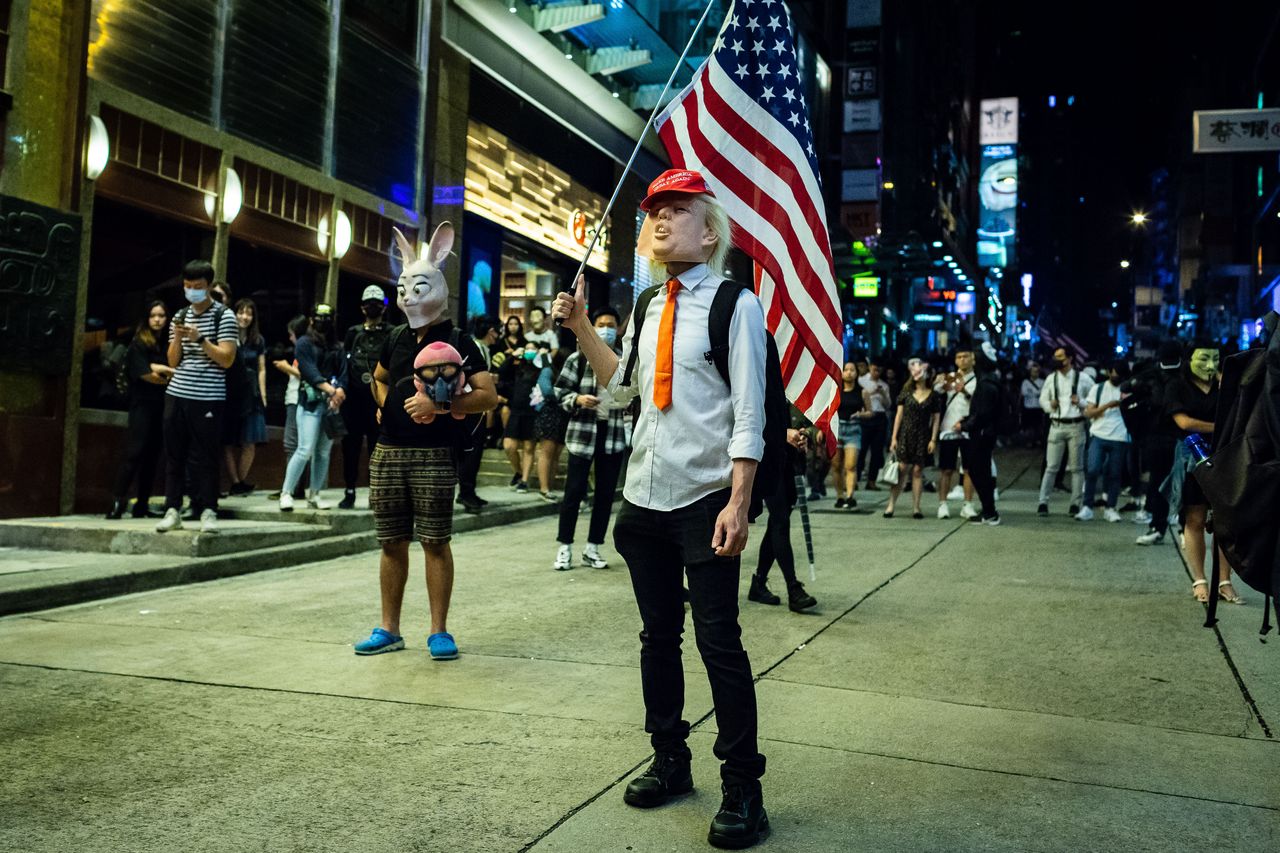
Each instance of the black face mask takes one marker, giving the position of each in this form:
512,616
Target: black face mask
373,312
323,326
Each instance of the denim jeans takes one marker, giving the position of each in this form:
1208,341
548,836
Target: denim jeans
313,447
1106,459
661,548
1068,440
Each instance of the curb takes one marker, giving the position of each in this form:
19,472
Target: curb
201,569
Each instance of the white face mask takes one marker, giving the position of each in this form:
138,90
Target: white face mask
608,334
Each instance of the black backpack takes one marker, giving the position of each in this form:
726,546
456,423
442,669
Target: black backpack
1145,404
1241,479
774,465
366,349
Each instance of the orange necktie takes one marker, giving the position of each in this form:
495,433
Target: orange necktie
666,349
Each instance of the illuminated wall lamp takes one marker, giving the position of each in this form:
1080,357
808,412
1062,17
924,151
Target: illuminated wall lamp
232,199
341,234
97,148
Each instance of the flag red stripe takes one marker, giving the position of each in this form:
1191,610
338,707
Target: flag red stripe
764,149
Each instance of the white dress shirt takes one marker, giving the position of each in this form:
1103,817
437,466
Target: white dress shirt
1055,396
686,453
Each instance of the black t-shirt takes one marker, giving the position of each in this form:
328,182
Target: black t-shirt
138,361
401,348
1184,397
850,402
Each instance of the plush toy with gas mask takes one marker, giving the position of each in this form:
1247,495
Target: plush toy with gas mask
438,376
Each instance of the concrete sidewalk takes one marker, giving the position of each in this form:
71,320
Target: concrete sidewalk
1044,685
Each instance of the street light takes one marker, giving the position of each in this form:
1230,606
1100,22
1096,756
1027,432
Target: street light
1124,265
1139,218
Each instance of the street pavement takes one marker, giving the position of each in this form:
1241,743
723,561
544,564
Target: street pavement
1044,685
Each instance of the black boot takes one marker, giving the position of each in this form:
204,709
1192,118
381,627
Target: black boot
348,500
668,776
760,593
798,599
741,821
117,510
142,509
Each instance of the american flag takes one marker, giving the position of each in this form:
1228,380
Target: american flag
742,123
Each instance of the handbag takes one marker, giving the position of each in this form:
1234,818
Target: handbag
889,473
333,424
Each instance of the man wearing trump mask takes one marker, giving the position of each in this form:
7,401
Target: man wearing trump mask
697,443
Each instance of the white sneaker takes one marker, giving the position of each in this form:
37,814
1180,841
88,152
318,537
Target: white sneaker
564,559
944,511
1151,537
1142,517
286,502
1085,514
314,501
956,493
591,557
172,521
1111,515
967,511
208,521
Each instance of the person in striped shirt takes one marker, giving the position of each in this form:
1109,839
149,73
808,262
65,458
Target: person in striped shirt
202,345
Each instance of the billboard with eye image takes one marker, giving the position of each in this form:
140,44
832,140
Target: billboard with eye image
998,206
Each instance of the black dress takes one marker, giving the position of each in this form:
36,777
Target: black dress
916,429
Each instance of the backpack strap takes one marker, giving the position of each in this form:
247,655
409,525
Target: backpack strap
637,322
719,320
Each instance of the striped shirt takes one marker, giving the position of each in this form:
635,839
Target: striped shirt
198,377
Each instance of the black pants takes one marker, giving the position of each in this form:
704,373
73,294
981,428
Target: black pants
875,430
977,464
192,433
659,548
1157,461
144,442
608,466
469,464
361,417
776,542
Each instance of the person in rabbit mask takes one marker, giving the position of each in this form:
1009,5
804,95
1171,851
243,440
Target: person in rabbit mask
413,472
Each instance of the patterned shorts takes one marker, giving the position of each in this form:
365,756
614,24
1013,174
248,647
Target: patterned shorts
411,493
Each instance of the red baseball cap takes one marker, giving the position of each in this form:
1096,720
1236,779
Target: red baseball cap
676,181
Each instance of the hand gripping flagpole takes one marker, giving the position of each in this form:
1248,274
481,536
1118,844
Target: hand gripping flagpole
639,142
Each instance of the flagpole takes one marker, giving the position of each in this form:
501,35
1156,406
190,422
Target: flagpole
639,142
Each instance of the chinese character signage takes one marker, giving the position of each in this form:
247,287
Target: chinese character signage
998,206
998,122
1236,130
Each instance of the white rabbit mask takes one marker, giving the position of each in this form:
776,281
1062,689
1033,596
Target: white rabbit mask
421,291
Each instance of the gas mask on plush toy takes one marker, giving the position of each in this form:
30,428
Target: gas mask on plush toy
1204,364
438,376
421,292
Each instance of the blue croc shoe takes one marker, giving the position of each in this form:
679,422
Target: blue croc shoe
442,646
380,641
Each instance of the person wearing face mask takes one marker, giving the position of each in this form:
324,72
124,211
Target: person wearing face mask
1108,442
517,379
484,334
323,369
598,434
1062,399
202,347
980,428
1193,406
148,374
362,346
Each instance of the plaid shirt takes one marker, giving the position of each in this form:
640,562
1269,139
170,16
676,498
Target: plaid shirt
577,377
